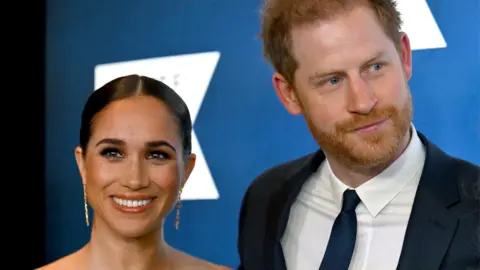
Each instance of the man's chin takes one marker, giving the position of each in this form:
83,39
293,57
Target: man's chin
369,158
372,151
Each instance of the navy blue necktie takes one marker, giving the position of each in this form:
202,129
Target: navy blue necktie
344,233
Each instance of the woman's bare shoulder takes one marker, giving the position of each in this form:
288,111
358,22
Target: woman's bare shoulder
199,264
187,261
220,267
62,263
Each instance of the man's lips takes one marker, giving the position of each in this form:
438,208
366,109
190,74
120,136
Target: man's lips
370,127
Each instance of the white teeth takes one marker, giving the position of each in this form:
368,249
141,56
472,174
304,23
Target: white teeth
131,203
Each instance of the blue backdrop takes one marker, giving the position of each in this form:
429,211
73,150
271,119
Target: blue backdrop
241,126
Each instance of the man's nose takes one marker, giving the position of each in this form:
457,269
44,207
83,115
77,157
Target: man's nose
361,98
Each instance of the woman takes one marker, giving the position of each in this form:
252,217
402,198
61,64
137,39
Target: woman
134,158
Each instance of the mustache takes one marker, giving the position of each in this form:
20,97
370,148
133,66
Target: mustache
358,120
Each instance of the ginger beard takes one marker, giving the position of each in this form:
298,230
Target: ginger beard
366,150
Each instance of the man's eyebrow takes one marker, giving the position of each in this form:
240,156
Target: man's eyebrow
376,56
318,75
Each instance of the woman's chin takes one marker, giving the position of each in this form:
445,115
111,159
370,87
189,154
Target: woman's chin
134,228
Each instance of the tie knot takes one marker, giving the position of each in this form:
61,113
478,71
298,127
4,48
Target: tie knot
350,200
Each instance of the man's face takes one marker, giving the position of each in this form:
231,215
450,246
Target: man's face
351,86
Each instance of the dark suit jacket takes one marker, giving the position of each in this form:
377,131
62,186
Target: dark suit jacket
442,232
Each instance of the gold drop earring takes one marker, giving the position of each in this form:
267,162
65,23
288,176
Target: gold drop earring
178,207
86,205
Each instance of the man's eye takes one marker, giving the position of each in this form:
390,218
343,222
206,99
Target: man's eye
334,80
376,67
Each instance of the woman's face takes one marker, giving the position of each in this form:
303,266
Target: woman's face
133,167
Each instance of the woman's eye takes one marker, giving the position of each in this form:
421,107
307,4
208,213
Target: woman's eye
110,152
158,155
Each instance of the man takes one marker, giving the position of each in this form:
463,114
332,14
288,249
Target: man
379,195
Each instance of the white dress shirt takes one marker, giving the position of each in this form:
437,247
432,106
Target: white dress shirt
382,215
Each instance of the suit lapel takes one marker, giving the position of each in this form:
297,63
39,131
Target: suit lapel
431,225
279,210
429,233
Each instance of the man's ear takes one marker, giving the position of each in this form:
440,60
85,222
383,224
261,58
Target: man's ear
189,165
286,94
79,157
406,55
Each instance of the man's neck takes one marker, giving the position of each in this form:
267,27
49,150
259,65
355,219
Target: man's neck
107,250
355,177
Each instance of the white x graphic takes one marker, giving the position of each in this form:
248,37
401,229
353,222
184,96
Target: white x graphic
420,25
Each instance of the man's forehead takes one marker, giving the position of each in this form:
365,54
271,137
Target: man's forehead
337,38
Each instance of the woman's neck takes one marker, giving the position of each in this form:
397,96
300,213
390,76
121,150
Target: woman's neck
107,250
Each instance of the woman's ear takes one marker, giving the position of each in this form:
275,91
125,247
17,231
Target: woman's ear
79,157
189,165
